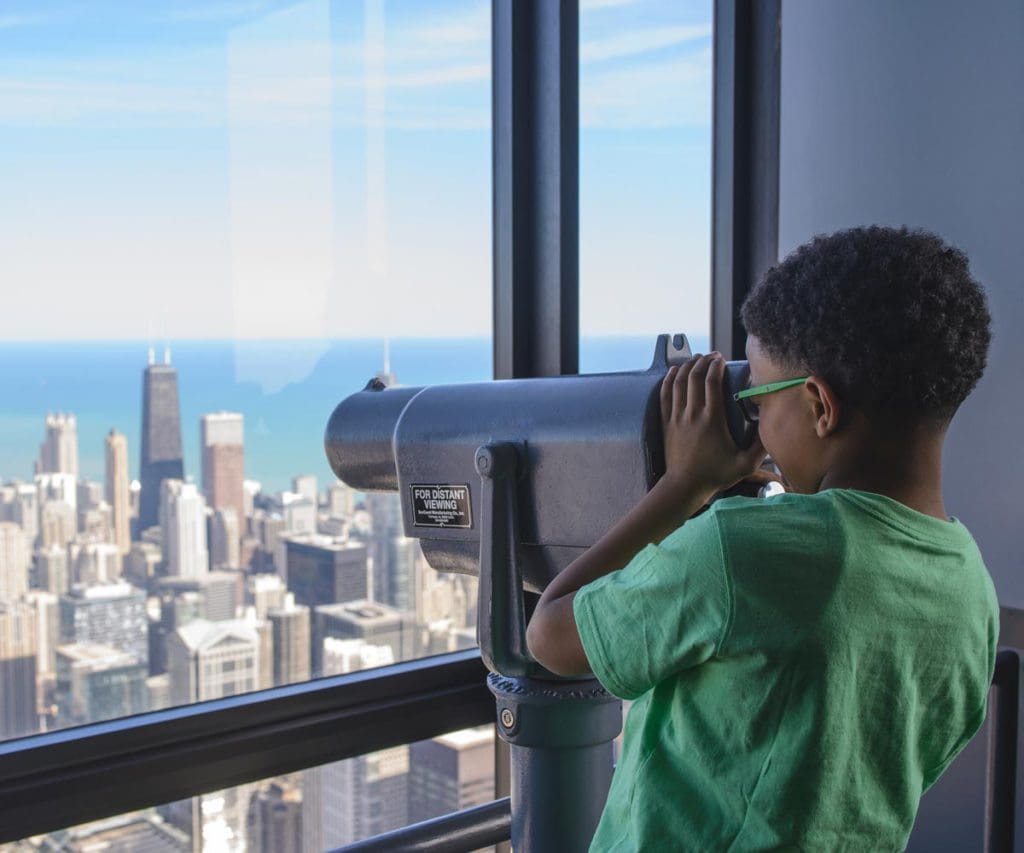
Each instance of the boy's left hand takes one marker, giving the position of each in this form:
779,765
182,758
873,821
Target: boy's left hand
700,454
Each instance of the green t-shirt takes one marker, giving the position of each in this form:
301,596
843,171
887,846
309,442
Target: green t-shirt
804,666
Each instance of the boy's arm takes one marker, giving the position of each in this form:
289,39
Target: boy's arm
700,459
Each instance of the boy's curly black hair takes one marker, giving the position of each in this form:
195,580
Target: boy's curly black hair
890,317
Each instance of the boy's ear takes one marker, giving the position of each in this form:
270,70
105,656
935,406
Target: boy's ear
825,406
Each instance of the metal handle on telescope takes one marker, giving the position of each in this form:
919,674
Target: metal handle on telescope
501,614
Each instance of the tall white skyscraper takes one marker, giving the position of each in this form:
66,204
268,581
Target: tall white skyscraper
59,450
118,493
14,558
183,523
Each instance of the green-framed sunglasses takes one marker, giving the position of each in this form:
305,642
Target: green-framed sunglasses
749,407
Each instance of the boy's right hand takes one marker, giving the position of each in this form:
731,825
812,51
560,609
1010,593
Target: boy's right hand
700,454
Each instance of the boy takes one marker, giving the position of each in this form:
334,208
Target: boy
805,666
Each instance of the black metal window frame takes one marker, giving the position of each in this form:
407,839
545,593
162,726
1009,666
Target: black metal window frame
59,779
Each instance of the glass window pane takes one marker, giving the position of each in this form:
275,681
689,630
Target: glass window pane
645,178
317,809
217,221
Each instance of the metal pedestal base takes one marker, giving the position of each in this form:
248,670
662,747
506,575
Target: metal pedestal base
561,735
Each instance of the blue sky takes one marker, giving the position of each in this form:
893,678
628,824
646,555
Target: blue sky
321,169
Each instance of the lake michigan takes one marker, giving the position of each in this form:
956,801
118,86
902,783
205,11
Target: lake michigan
285,389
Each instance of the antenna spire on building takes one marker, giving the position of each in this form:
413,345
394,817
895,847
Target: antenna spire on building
152,356
167,355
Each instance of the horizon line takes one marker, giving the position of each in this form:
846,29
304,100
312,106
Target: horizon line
145,342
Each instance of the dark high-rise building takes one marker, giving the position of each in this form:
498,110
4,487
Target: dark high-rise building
322,570
451,773
19,644
161,438
275,817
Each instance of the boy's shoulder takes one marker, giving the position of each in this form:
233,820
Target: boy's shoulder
764,515
849,509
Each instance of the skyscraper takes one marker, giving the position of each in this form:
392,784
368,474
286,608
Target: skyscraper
59,450
58,486
14,558
48,630
221,438
392,553
183,522
52,571
368,621
450,773
210,660
117,489
18,651
341,500
305,484
225,538
161,457
290,627
96,682
109,614
92,561
275,817
25,510
322,570
346,801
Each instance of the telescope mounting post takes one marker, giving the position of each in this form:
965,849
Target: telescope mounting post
560,730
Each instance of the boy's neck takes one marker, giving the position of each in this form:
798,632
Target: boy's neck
906,468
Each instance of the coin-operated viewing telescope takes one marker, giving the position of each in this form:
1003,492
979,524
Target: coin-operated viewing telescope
528,472
512,480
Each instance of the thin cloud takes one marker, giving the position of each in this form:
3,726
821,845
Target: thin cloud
472,28
674,92
10,22
642,41
591,5
218,11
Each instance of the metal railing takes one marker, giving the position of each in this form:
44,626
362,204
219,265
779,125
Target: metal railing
1001,781
461,832
468,830
58,779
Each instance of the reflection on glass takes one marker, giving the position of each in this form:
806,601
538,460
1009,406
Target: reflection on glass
220,220
318,809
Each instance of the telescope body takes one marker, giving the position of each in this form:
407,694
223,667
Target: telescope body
589,447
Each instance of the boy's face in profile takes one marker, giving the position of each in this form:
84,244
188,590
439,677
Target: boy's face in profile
787,421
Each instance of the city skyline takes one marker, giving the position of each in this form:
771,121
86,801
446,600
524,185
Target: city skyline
90,633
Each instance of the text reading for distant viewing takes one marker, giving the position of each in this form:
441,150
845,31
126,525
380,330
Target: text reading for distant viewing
441,505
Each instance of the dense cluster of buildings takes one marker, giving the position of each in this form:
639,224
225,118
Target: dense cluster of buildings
127,596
